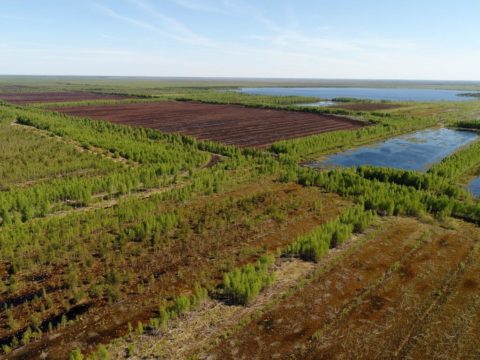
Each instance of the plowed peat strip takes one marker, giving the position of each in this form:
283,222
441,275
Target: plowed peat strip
388,322
454,331
412,283
290,327
230,124
41,97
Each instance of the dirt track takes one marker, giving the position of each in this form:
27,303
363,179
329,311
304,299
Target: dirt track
40,97
230,124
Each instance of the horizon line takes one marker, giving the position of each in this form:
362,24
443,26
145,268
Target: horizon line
240,78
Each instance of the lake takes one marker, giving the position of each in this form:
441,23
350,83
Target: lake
392,94
415,151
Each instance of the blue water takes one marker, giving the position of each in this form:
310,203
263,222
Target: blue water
474,187
392,94
416,151
320,103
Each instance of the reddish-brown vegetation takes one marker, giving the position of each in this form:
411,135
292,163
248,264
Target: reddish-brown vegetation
40,97
230,124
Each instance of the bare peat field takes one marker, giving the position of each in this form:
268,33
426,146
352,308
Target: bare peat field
229,124
40,97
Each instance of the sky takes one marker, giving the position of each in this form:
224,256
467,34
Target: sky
363,39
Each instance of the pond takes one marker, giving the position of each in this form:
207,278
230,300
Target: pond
416,151
392,94
474,187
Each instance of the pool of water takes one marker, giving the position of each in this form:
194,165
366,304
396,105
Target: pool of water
392,94
416,151
474,187
320,103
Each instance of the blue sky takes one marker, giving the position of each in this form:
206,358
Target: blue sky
381,39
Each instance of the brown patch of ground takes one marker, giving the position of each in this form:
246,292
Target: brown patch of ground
196,330
453,331
230,124
41,97
380,302
367,106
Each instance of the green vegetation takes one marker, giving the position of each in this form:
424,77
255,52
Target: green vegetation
27,158
459,163
389,198
180,305
420,181
471,124
242,285
76,355
317,243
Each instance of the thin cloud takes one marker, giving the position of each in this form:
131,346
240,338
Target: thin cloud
181,33
297,40
287,36
291,39
138,23
387,43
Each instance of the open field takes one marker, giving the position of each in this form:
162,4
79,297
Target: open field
23,98
228,124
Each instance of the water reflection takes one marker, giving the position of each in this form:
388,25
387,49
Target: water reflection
416,151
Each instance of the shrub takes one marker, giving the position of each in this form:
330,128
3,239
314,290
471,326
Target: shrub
76,355
242,285
180,305
317,243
